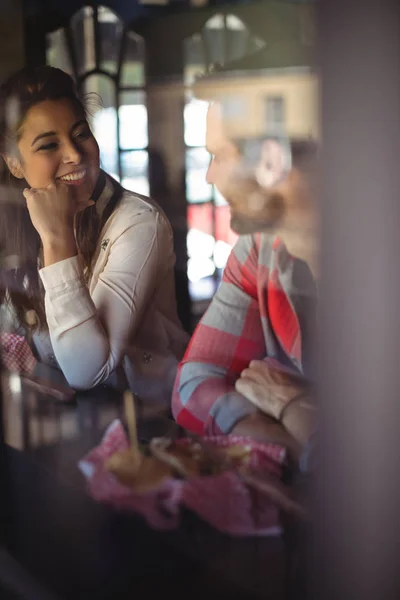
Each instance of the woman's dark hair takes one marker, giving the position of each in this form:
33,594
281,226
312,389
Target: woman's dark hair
19,278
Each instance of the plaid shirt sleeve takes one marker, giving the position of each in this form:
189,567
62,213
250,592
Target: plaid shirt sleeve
228,337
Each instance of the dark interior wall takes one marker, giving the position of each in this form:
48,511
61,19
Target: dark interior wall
11,37
12,49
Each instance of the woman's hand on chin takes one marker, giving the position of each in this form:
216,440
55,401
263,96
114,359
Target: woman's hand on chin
53,209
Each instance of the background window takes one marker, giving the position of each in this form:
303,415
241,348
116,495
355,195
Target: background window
275,114
107,62
223,38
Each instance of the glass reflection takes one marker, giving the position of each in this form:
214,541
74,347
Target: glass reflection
135,166
103,119
110,31
57,54
133,121
197,188
133,67
82,28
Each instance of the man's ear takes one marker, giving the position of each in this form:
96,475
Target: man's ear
273,163
14,166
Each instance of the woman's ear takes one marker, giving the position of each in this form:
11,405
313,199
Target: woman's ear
14,166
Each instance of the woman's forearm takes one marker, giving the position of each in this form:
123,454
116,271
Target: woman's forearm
57,249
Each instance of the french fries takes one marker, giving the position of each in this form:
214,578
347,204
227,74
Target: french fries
167,458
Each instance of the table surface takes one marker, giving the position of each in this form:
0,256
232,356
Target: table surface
82,549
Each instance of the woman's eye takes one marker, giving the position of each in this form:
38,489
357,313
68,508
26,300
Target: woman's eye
84,135
51,146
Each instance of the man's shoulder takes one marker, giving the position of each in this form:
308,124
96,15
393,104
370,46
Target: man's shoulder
257,247
251,256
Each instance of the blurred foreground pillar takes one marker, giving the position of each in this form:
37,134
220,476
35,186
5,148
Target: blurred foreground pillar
358,500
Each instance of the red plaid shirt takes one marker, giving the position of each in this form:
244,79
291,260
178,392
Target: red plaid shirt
252,316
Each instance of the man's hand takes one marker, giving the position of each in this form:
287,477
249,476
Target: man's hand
269,387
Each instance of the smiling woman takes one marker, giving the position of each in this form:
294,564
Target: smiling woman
102,312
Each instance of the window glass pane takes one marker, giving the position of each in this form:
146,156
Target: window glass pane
201,290
221,254
82,28
133,120
230,40
195,114
216,22
237,37
132,73
201,268
200,248
197,188
135,171
103,119
200,218
222,225
233,23
275,114
110,34
214,38
219,200
236,44
57,54
194,58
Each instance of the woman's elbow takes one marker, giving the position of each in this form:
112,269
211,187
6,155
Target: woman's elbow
80,383
83,380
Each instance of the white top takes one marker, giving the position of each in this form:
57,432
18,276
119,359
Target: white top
124,321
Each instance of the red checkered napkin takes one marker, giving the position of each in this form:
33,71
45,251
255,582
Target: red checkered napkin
230,505
222,500
159,507
16,354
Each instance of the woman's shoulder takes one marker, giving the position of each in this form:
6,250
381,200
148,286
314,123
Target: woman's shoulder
133,204
135,209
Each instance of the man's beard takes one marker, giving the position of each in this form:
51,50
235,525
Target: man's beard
243,225
264,219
